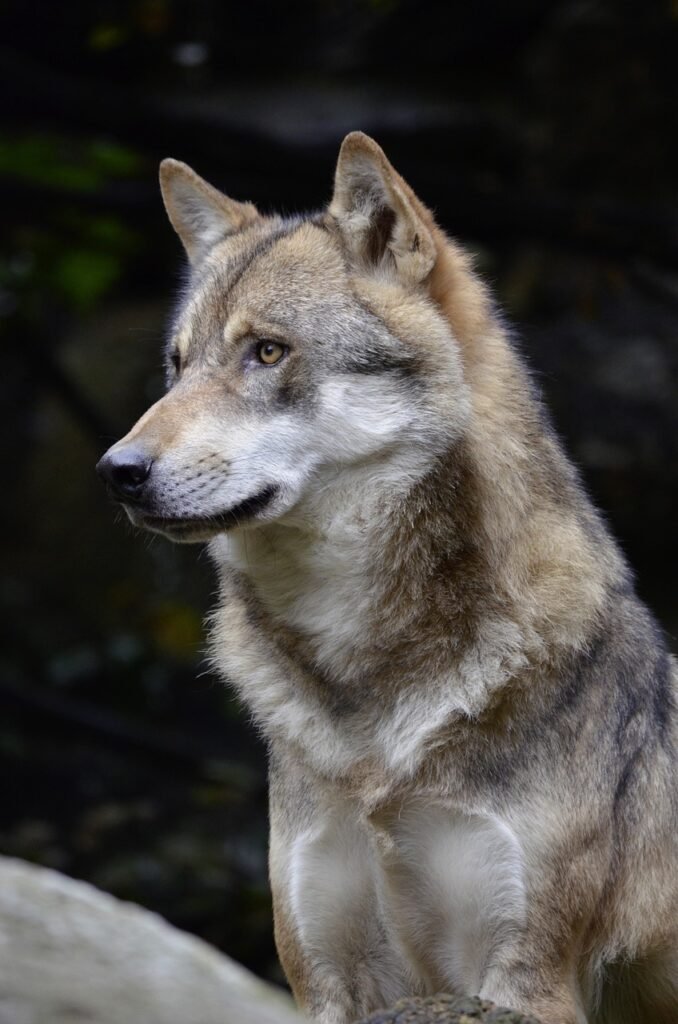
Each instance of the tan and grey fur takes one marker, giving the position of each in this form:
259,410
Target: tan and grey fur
471,717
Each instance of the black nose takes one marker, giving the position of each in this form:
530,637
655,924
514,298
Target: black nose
125,470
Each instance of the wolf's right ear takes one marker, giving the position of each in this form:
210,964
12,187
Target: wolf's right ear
383,223
199,213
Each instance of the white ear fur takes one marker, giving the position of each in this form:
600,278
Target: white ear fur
199,213
378,214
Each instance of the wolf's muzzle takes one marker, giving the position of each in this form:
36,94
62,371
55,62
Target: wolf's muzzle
125,471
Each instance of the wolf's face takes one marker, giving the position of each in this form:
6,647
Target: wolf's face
305,351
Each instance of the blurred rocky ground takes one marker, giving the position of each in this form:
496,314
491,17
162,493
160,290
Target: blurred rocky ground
544,137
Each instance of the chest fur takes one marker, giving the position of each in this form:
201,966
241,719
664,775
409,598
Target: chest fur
354,686
322,591
445,885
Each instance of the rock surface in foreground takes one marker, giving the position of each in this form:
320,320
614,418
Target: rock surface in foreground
73,955
444,1009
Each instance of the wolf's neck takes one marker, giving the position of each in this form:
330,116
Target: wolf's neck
324,571
491,564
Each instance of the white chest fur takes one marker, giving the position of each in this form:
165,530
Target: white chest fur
321,586
455,887
446,885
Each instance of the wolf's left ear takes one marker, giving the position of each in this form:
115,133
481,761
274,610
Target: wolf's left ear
200,214
379,216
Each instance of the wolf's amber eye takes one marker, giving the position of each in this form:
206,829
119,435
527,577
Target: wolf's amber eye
270,352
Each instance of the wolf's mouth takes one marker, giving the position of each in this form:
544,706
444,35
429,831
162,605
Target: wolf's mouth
203,527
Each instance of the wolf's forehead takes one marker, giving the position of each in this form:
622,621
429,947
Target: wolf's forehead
282,268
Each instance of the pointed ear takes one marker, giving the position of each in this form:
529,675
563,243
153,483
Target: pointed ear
199,213
382,221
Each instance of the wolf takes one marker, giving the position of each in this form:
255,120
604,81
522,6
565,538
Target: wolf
470,715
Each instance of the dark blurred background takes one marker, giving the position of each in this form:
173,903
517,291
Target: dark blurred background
545,137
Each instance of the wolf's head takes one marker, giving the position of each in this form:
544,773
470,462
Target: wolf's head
306,351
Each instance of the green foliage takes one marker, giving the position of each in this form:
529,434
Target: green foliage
73,261
82,275
60,162
69,256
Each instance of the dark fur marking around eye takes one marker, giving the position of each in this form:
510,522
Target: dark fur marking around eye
381,362
293,391
287,393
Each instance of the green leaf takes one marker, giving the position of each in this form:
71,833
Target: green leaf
83,275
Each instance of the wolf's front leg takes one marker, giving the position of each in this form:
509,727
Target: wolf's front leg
470,913
329,929
532,986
